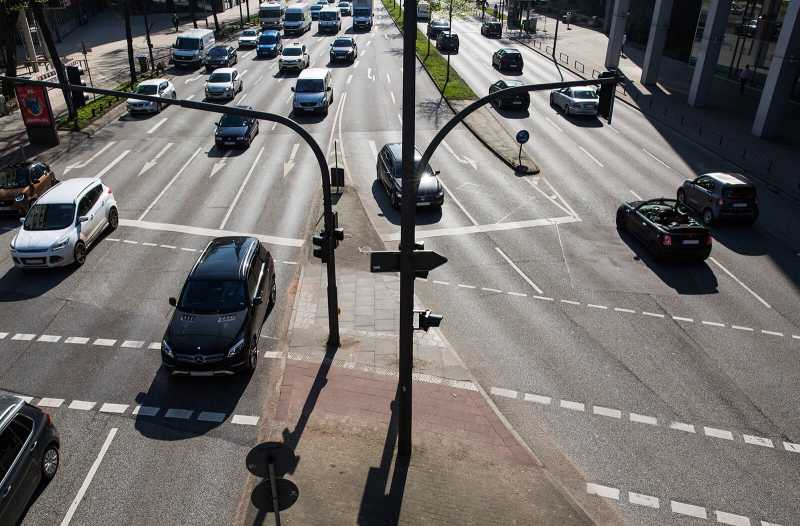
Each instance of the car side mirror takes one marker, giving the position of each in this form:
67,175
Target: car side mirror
329,88
292,88
83,219
437,172
258,300
22,220
173,302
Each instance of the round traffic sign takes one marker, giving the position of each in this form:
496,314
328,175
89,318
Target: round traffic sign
523,136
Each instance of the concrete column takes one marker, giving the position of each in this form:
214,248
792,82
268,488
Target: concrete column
713,36
621,8
782,74
25,31
607,16
655,42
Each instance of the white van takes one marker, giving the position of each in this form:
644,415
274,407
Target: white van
313,91
423,11
330,20
190,48
297,19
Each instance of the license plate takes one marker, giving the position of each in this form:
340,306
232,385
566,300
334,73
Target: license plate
229,143
423,204
201,373
34,261
7,208
691,241
739,205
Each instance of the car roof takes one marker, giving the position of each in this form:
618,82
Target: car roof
508,50
313,73
729,178
224,70
345,37
658,201
293,44
330,8
296,7
152,82
9,406
271,32
397,151
225,258
67,191
512,82
439,21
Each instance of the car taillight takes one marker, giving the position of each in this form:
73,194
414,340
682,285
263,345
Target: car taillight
666,240
708,240
49,419
721,202
109,189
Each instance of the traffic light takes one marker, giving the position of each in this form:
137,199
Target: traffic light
338,233
605,106
320,242
428,320
74,77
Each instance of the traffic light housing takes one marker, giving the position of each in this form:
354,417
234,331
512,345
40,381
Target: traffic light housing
605,106
427,320
74,77
320,242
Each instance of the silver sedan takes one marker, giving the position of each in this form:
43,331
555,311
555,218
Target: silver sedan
575,101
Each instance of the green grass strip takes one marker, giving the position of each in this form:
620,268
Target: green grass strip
435,64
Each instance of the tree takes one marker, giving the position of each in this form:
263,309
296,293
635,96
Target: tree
9,11
129,38
44,30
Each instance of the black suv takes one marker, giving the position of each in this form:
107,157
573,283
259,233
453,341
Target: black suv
221,57
507,58
29,454
520,101
390,174
447,42
437,26
492,29
218,317
235,130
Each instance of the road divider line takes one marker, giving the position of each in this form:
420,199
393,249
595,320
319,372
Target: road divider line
637,196
592,157
157,126
549,197
645,150
89,477
602,491
169,184
477,229
391,94
519,271
737,280
94,156
241,189
349,79
458,203
112,164
209,232
553,124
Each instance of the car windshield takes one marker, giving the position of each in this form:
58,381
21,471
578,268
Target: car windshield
344,4
327,15
296,16
220,77
292,51
49,217
342,42
147,89
232,121
440,23
361,11
270,11
316,7
267,39
310,86
218,52
201,296
249,33
428,170
187,43
14,177
584,94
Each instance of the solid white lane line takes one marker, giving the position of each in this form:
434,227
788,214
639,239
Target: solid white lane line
505,393
458,203
592,157
537,399
391,94
112,164
157,126
602,491
89,477
572,406
637,196
737,280
688,509
656,158
553,124
241,189
641,499
718,433
518,270
190,97
94,156
349,79
169,184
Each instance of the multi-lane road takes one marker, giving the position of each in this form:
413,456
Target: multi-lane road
644,380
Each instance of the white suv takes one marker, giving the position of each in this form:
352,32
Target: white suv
155,88
63,223
224,83
294,56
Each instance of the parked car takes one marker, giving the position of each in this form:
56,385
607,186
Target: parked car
720,196
221,57
492,29
294,56
224,83
521,101
315,9
63,223
21,184
29,455
222,306
390,173
234,130
162,88
249,37
269,44
447,42
508,59
437,26
345,8
344,48
313,91
575,101
666,228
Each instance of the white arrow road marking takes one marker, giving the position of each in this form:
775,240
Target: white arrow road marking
243,73
259,78
368,43
370,76
355,66
190,97
462,160
373,149
287,167
241,99
90,159
157,125
187,81
150,164
241,189
112,164
392,94
219,165
388,78
349,78
169,184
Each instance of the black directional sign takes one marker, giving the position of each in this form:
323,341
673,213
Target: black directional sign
389,261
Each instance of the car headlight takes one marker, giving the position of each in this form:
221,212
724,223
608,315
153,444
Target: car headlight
238,346
440,194
61,243
240,138
20,198
13,243
166,348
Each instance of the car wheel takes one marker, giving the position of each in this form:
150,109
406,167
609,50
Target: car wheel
273,294
325,109
253,359
50,461
395,200
681,197
113,219
79,253
620,221
174,95
708,216
566,110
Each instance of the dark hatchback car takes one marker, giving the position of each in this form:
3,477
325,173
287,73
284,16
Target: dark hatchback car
720,196
390,173
269,44
520,101
666,228
437,26
21,184
29,455
344,48
447,42
492,29
220,57
218,317
234,130
508,59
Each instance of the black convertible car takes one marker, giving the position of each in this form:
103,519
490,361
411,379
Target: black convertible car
666,228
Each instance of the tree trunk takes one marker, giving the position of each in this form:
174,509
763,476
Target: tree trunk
193,9
129,38
61,73
216,22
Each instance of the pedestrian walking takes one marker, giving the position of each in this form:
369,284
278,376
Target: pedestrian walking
745,76
175,21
